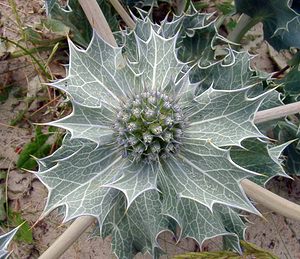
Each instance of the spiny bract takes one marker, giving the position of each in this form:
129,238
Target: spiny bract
150,135
4,242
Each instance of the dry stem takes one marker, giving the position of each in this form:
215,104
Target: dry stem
277,112
97,20
122,12
73,232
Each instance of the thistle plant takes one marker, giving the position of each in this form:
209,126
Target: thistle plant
154,133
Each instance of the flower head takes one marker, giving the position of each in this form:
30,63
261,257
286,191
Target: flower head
149,127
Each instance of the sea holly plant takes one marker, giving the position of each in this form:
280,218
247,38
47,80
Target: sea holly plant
146,150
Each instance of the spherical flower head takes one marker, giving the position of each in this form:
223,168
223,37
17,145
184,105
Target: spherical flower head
149,127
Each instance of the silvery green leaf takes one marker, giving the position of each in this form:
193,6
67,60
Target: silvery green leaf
114,216
184,28
139,227
223,117
234,224
169,29
94,124
291,82
200,41
281,24
136,179
76,181
204,173
91,68
69,147
260,157
158,62
4,242
190,23
200,51
231,73
195,220
273,100
192,28
157,65
287,132
217,63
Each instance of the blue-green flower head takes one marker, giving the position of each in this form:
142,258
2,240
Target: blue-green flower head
149,127
146,146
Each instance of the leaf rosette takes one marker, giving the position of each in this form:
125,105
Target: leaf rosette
147,151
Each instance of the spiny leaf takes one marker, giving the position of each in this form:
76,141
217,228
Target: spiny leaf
92,124
260,157
197,221
286,131
4,242
189,173
79,178
291,82
135,180
157,66
68,148
138,229
213,109
281,24
199,26
230,73
217,64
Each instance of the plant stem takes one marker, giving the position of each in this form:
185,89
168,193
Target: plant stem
280,72
122,12
244,24
271,200
62,244
13,5
21,53
277,112
97,20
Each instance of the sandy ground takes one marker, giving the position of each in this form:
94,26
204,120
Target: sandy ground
28,196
